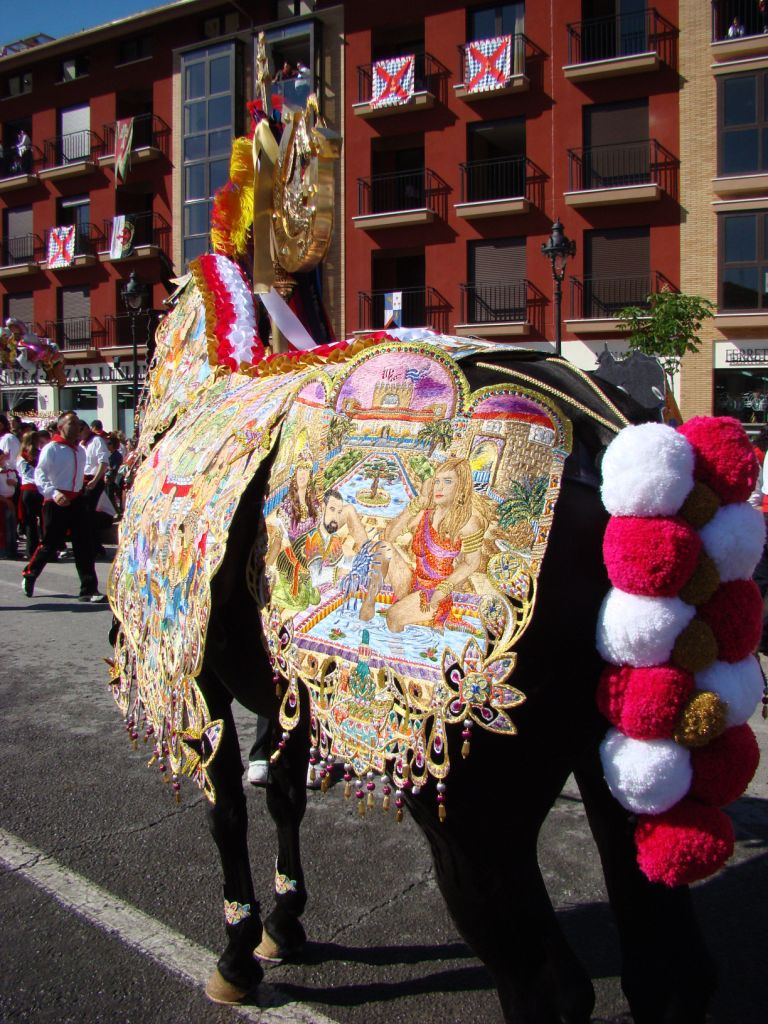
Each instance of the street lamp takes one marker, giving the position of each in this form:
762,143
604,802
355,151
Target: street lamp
134,298
557,249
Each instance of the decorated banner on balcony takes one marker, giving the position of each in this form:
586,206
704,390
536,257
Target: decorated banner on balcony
488,64
121,242
123,141
393,309
61,247
393,81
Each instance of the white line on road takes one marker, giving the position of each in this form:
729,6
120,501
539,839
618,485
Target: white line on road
136,929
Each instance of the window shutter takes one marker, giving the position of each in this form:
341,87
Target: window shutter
622,252
19,222
498,261
21,307
610,124
76,303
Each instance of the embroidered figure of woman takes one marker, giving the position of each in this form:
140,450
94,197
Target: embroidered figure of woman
447,525
292,529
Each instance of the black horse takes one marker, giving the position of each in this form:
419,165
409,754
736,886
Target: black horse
485,852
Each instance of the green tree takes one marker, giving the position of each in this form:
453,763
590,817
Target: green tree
666,328
525,502
437,434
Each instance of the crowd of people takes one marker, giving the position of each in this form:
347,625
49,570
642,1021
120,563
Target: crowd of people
60,483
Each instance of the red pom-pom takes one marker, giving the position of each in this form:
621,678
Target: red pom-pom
725,460
654,556
723,769
735,615
684,844
645,703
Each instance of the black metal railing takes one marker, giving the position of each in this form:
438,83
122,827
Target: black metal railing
88,240
21,249
421,307
148,229
403,190
473,65
623,35
597,298
749,19
504,177
429,75
83,332
492,302
119,330
72,148
628,163
149,131
12,165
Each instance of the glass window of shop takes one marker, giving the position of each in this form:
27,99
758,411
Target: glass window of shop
125,417
212,117
83,401
743,393
743,261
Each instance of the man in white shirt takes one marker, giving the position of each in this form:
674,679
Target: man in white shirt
59,478
94,444
11,445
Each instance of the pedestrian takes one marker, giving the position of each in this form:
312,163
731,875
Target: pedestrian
59,478
7,512
10,444
95,477
30,507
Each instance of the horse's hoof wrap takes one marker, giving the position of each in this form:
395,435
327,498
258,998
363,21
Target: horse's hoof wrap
219,990
268,950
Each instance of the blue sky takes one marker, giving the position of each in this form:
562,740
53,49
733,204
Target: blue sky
62,17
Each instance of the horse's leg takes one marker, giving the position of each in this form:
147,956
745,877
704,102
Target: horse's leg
228,821
487,869
286,802
668,975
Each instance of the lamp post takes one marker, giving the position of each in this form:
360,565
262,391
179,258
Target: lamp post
134,298
557,249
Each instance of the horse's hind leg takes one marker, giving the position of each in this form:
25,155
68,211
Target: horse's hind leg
286,801
488,873
237,971
668,975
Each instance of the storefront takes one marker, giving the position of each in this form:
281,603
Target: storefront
741,382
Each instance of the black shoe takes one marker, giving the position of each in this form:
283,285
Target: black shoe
92,598
28,585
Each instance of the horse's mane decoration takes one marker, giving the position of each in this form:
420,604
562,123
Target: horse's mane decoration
679,629
407,520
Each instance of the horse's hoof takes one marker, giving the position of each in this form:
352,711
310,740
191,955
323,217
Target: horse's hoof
219,990
269,952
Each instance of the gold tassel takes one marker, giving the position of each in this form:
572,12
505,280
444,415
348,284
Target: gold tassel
399,815
361,808
347,790
312,775
369,801
465,748
385,803
325,784
177,795
442,813
276,756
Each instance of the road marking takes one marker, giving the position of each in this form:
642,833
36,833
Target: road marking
138,930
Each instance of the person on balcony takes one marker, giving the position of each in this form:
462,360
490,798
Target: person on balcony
736,30
763,8
24,152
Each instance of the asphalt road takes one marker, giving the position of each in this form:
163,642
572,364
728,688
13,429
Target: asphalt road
110,898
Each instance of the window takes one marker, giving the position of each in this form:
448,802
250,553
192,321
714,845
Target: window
18,240
617,270
616,149
743,252
17,85
211,119
74,134
74,67
20,306
497,287
137,48
291,54
613,28
498,20
743,124
75,316
496,159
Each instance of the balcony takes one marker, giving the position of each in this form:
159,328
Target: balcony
78,334
151,237
20,256
393,92
87,243
499,309
400,200
625,44
632,172
68,156
505,185
486,71
746,39
421,307
597,301
151,140
15,174
118,333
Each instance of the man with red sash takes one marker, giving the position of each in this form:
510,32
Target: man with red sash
59,478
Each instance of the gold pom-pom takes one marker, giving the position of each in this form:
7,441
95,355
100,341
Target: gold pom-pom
695,648
704,582
702,720
700,506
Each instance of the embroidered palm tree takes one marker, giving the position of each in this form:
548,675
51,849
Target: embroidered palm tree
437,435
379,469
525,503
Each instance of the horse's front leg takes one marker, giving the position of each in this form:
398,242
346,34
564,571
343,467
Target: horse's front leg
237,971
283,933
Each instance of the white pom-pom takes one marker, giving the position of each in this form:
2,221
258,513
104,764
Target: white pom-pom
640,631
739,684
647,471
645,776
734,539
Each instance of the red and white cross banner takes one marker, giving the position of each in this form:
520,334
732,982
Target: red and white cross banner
488,64
392,81
61,247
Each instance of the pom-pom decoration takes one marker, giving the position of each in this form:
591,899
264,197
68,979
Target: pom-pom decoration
678,630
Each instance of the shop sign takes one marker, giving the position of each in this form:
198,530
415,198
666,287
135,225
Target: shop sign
750,356
95,373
